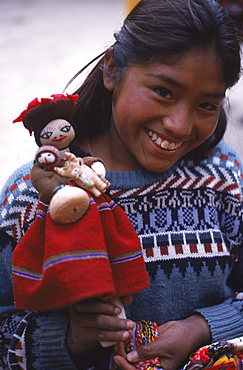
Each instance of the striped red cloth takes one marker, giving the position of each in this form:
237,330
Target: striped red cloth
57,265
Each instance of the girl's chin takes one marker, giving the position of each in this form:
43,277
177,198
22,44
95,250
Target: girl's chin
165,162
158,167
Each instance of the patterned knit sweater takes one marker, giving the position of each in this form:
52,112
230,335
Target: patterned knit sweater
189,221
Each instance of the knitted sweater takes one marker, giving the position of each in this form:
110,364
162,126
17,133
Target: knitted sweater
189,221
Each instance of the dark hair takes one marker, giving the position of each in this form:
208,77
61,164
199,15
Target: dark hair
157,30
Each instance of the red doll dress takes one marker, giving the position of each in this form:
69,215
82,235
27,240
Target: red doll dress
57,265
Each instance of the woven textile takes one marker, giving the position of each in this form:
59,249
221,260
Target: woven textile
145,332
57,265
226,355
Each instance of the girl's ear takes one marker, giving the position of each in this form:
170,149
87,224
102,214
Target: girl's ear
109,72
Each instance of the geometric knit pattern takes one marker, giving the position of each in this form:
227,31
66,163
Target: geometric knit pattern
17,351
189,222
19,207
8,328
190,228
181,218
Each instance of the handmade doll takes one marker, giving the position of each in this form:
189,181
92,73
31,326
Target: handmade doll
62,257
58,261
51,121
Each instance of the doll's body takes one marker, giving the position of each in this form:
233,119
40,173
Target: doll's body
60,182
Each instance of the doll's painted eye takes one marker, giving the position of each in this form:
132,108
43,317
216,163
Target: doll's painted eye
46,135
65,128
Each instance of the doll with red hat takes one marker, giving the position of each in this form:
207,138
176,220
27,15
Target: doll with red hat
57,264
51,121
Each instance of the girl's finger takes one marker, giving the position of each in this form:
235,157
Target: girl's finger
122,363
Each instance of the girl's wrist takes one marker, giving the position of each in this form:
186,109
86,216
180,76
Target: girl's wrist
201,330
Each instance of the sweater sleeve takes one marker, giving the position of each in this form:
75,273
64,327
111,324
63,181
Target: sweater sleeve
226,319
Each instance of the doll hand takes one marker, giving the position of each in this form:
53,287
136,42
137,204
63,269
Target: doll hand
99,168
91,322
177,340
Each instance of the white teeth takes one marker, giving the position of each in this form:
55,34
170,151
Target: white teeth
165,144
172,146
158,141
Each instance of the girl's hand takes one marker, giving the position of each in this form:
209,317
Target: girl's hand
120,358
93,321
177,340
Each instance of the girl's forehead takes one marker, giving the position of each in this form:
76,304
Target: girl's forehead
192,61
209,53
199,69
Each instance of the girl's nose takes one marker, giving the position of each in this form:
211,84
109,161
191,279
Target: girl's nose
178,122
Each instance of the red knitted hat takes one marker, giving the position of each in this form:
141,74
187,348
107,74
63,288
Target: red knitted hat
39,112
57,265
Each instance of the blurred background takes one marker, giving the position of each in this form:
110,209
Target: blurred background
44,43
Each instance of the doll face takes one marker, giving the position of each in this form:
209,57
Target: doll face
46,158
58,133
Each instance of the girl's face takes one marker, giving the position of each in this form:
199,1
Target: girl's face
163,111
58,133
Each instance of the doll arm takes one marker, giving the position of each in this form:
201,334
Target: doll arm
45,182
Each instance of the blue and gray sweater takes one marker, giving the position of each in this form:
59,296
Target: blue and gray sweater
189,221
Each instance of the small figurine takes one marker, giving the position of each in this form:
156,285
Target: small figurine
48,157
75,169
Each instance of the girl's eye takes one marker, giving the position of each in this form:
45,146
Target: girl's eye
163,92
46,135
65,128
209,106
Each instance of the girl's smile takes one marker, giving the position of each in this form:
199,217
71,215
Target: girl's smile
161,111
163,143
